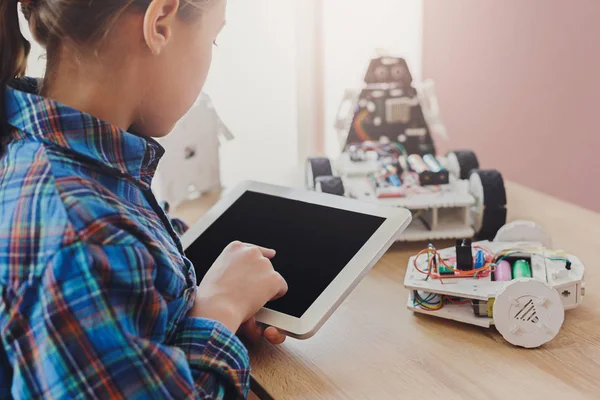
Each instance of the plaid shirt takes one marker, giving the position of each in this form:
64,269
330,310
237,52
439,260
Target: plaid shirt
94,286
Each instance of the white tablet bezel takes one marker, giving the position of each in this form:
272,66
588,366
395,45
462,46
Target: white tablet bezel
396,220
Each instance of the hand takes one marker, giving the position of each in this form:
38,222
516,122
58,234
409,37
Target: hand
238,284
254,332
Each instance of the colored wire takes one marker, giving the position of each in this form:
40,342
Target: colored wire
426,304
360,131
429,304
456,301
431,251
402,149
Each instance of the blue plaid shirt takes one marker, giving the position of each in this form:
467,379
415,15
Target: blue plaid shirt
94,286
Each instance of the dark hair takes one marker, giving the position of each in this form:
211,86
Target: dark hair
85,22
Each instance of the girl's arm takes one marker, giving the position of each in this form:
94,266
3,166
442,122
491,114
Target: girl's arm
95,325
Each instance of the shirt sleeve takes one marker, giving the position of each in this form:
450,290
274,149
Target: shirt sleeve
102,332
179,226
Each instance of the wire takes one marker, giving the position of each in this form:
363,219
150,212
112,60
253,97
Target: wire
402,149
457,301
360,131
560,256
429,304
431,251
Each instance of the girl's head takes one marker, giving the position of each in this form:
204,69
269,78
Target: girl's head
135,63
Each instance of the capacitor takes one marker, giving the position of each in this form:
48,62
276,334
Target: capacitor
432,163
479,259
503,271
395,180
416,163
521,269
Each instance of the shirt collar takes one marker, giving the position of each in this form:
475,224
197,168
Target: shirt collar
48,121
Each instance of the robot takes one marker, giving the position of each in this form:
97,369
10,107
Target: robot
515,282
193,147
389,157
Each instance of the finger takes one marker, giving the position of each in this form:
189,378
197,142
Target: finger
282,287
251,330
274,336
268,253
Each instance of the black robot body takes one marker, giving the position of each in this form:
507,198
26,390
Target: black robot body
389,107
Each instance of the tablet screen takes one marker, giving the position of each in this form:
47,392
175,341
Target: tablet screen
313,242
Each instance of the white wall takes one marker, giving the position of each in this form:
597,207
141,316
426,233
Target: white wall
354,29
253,81
36,64
253,86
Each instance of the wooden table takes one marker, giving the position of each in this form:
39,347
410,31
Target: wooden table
374,348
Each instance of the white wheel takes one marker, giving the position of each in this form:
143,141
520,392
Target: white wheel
523,231
528,313
476,190
452,165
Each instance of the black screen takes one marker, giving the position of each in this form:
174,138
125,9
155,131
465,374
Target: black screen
313,243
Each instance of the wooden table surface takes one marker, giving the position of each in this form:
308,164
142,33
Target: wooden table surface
374,348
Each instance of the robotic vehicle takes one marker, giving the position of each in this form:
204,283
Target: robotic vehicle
389,157
516,282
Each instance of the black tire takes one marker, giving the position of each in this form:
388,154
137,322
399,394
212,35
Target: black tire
493,220
315,168
494,203
494,193
468,162
330,184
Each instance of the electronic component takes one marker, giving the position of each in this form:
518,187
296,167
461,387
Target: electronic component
521,269
490,305
416,163
427,176
395,180
480,308
479,259
503,271
525,299
464,255
442,270
398,110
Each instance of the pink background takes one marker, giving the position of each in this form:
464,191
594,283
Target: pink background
519,82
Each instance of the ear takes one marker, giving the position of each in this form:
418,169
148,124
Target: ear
158,24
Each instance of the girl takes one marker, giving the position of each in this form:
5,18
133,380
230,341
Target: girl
97,299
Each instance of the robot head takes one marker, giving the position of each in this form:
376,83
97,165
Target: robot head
393,70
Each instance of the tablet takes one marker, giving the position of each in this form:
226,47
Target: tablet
325,244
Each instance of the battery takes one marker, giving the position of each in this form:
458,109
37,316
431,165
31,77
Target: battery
432,163
503,272
416,163
521,269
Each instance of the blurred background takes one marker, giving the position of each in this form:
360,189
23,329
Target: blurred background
516,82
